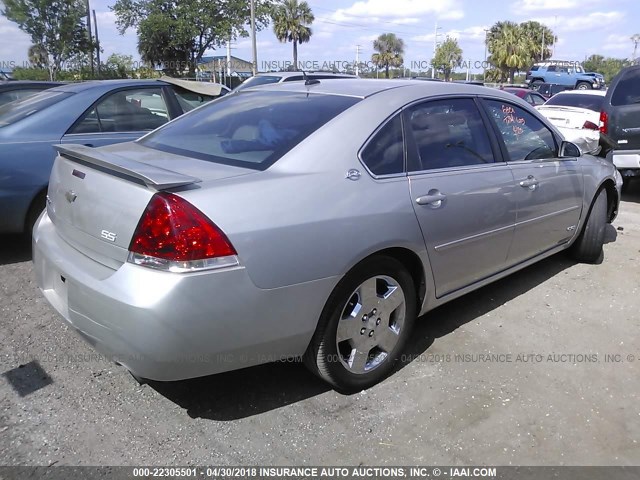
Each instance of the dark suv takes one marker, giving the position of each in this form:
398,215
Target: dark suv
620,122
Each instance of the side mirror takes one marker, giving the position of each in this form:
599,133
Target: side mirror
569,150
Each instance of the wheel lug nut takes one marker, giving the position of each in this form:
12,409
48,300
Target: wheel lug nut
362,330
374,311
371,333
378,321
364,318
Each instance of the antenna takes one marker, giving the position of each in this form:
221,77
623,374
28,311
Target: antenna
309,81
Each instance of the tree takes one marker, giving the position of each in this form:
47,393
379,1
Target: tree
507,48
37,55
121,66
56,27
607,66
448,56
175,35
291,23
390,51
537,35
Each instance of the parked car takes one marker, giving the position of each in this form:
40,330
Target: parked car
528,95
548,90
18,89
569,74
620,122
280,77
576,114
253,229
92,114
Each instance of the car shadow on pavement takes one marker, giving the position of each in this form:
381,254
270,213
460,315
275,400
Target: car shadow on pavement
473,306
252,391
243,393
14,249
632,192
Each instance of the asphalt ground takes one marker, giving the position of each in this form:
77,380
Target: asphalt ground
541,368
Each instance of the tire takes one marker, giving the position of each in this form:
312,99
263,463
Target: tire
588,247
584,86
37,206
363,328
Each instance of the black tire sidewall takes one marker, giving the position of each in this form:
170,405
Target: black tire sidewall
334,371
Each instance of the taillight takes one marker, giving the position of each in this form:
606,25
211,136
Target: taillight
604,122
175,236
590,125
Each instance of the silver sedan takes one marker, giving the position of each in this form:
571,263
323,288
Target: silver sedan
311,220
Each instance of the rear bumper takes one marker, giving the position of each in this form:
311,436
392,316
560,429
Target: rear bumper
627,161
165,326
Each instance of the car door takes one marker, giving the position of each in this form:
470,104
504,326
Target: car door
461,191
622,112
120,116
549,189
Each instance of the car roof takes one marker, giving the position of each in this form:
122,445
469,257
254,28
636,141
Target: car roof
17,84
600,93
363,88
519,89
296,74
106,84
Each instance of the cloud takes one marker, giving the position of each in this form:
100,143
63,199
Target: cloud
471,33
576,23
14,44
444,9
618,45
538,5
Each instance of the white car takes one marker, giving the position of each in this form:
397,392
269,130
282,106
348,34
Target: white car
576,113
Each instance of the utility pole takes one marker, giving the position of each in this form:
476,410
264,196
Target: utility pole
254,48
358,59
95,25
484,67
635,39
435,46
227,77
86,3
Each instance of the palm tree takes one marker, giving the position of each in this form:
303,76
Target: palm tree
539,38
509,48
390,50
291,21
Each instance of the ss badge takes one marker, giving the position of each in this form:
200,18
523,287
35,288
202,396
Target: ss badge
108,235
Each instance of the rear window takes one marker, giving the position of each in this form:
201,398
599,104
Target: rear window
534,68
590,102
627,91
248,129
13,112
258,80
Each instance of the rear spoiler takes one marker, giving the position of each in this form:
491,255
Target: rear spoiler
151,176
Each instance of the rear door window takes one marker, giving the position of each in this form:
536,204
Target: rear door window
448,133
627,91
251,129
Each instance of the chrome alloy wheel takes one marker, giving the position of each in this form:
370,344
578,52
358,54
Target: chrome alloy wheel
370,325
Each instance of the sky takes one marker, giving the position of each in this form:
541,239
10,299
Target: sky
584,27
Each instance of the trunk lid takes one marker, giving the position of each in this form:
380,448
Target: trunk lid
97,196
569,117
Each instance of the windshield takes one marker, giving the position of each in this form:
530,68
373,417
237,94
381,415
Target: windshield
258,80
250,129
13,112
590,102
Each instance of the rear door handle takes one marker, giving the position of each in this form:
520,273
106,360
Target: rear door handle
434,199
531,183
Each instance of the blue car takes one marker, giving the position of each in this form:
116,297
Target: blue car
91,114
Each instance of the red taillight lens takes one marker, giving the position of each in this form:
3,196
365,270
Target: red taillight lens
590,125
604,122
174,235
